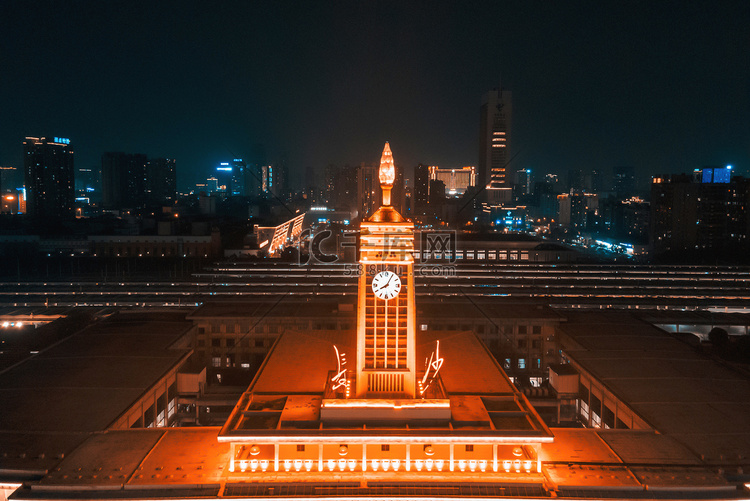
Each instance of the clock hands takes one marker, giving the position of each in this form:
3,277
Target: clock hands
387,284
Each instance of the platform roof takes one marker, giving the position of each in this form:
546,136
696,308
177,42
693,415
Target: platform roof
82,384
700,402
191,463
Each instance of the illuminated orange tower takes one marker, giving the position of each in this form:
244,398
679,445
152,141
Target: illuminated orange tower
385,307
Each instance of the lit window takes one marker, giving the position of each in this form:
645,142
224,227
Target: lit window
521,363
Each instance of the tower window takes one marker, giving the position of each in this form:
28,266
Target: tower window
385,447
470,448
300,447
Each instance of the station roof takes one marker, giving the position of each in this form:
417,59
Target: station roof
141,458
699,317
83,384
191,463
697,401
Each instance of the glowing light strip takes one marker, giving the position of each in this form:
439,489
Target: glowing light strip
379,439
366,498
421,404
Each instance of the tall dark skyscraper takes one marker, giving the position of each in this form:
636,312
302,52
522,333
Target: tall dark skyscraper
624,181
280,179
133,181
344,184
421,187
123,180
576,181
332,174
494,145
240,182
367,189
49,175
161,180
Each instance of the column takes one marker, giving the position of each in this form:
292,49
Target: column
275,457
364,457
494,457
320,457
451,447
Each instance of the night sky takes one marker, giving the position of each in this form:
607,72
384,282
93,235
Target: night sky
663,86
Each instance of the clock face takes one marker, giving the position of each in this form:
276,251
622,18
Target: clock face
386,285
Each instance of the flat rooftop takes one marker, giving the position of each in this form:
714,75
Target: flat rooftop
286,396
53,400
697,401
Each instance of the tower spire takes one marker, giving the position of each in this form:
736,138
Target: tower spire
387,173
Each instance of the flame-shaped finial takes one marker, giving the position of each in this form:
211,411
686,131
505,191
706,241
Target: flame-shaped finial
387,170
387,174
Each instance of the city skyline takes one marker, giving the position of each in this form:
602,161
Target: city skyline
658,87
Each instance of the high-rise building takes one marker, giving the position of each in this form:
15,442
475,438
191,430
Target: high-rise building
281,179
522,183
699,216
268,178
367,189
134,181
235,178
624,181
239,185
50,175
342,186
123,180
456,181
87,180
598,184
398,193
494,145
331,175
8,180
576,181
161,180
421,187
554,181
571,210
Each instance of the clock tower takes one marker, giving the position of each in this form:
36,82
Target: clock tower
386,315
